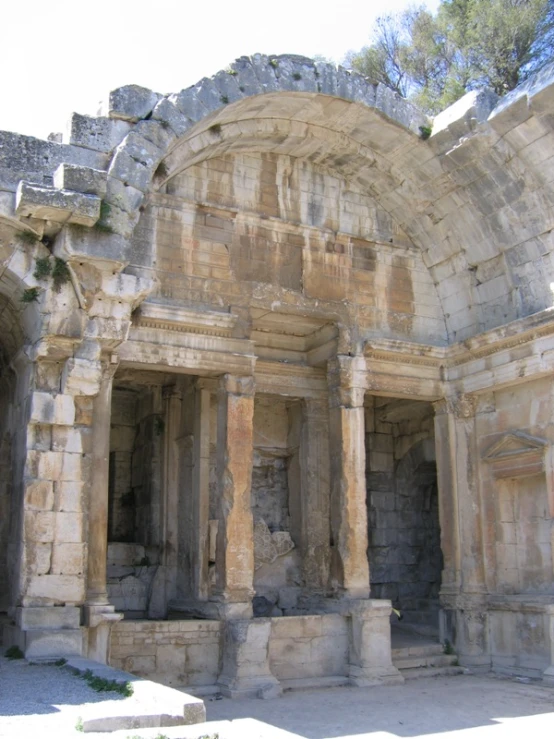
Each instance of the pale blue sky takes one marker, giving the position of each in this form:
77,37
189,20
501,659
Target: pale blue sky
59,56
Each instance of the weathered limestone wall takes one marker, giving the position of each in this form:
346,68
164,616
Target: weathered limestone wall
260,219
309,646
518,509
173,652
405,559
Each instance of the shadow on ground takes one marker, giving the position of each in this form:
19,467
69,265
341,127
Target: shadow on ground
419,707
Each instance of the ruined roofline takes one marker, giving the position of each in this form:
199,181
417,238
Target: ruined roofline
138,127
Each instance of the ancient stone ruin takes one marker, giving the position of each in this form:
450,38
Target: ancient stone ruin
273,359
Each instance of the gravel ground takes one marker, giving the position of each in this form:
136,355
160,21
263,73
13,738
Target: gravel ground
44,701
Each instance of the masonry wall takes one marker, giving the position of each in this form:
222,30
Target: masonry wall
518,519
243,220
173,652
188,653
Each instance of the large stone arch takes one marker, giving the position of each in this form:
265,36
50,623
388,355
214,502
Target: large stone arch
473,197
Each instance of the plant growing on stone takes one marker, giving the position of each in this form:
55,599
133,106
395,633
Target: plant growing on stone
43,268
79,724
215,129
448,648
102,223
27,237
14,653
30,295
425,132
102,684
60,274
273,63
296,76
224,99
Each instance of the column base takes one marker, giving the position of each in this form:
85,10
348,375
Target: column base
366,677
245,672
99,619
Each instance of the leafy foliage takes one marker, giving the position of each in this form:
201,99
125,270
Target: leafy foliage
468,44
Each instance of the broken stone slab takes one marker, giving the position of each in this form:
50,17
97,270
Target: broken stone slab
80,179
96,132
59,206
151,704
462,118
34,160
129,103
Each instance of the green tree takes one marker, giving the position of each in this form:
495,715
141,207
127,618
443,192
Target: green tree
435,59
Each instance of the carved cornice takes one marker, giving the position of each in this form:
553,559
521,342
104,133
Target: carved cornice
175,318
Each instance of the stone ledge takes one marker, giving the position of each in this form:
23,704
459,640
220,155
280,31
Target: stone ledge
151,705
59,206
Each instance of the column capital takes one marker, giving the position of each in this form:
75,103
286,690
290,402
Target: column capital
460,406
346,380
109,364
237,385
170,391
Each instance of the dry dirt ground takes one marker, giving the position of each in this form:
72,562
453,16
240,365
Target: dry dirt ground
461,707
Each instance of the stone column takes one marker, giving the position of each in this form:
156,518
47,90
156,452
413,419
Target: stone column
201,491
370,645
463,591
350,569
164,587
235,538
315,494
97,610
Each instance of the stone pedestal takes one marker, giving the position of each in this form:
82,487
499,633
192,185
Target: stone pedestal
245,672
370,645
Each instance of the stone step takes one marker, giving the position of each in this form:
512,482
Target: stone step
422,650
416,672
309,683
432,660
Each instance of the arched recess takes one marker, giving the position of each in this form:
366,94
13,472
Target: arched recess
457,195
